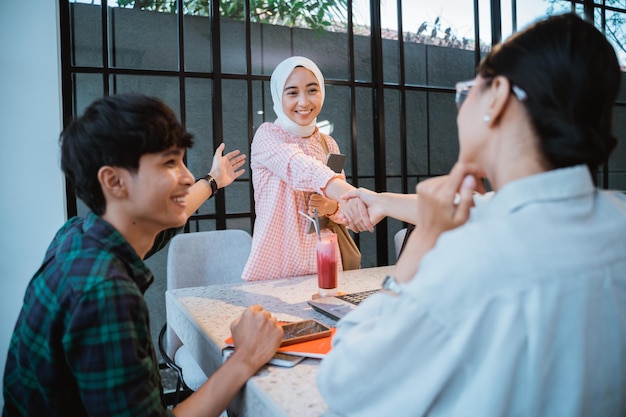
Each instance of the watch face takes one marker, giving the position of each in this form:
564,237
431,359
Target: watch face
386,282
390,284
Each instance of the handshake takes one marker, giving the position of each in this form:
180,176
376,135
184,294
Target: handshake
444,202
360,209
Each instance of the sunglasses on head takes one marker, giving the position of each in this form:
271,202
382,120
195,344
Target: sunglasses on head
463,87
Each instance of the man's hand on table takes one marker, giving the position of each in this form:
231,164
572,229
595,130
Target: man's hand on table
256,336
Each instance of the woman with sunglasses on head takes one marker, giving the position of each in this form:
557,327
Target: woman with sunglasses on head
516,307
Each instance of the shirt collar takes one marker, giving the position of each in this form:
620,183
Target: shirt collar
114,242
554,185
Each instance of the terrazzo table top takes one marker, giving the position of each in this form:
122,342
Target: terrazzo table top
201,318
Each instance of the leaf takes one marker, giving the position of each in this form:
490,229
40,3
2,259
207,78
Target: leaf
316,14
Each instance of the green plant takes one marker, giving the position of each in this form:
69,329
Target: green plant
615,22
314,14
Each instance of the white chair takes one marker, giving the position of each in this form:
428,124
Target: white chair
199,259
398,240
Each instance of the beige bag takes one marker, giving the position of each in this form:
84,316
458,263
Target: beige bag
350,253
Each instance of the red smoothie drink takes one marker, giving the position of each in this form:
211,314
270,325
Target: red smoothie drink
327,264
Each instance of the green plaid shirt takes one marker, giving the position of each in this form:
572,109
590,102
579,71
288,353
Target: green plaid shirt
82,344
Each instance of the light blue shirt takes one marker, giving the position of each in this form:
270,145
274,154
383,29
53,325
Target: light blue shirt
520,312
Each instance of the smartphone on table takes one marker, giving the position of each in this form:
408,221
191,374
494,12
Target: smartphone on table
302,331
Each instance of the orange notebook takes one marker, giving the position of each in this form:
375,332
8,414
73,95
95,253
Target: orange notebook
316,348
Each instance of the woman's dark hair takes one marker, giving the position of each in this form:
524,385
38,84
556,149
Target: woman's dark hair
116,131
571,75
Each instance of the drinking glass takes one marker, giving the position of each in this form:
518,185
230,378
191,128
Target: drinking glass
327,264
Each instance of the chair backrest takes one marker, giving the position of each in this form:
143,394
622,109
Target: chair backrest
398,240
205,258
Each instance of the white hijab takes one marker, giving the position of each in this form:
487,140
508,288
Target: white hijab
277,85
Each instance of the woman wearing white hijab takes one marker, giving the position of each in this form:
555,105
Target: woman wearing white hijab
289,175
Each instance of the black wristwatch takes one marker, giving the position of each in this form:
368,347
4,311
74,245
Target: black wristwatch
212,183
390,284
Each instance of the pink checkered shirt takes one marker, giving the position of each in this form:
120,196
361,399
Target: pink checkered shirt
286,170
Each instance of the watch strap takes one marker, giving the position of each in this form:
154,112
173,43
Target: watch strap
390,284
212,183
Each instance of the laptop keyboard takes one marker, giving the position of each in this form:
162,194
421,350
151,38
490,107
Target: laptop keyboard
356,297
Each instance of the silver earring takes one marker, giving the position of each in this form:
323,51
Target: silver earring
486,118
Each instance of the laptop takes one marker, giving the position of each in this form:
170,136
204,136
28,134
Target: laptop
338,306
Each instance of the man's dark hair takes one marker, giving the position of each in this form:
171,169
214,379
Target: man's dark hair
571,75
116,131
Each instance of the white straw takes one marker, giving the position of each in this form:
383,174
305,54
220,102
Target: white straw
315,224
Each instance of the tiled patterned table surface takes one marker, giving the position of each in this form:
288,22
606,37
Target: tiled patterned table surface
201,317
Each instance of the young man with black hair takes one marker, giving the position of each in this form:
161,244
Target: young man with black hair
82,343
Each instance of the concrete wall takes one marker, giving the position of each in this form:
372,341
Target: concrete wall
32,185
